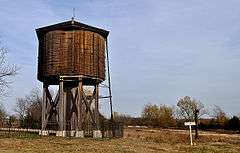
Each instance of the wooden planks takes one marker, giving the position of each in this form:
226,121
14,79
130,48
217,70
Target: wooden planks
75,52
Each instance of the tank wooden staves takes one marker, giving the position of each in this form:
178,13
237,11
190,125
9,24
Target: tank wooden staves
71,49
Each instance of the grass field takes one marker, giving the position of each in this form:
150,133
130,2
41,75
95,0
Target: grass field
135,140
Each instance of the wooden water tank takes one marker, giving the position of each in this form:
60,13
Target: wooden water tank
71,49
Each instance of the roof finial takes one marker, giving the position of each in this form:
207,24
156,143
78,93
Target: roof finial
73,16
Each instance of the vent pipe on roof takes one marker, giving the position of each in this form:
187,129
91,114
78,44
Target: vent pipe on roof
73,16
72,20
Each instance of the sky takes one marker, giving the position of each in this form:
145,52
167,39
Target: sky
160,50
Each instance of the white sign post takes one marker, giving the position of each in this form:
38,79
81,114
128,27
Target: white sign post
190,124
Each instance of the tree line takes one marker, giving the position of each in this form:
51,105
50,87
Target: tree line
186,109
28,114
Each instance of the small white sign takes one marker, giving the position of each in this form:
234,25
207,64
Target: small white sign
189,123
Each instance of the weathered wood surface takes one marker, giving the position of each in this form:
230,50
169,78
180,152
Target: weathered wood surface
75,52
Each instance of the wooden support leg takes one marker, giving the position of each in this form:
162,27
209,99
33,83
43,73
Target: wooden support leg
79,106
61,107
64,110
96,133
96,96
44,105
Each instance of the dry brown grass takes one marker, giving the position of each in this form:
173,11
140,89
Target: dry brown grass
135,140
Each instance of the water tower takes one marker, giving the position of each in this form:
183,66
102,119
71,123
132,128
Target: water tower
72,56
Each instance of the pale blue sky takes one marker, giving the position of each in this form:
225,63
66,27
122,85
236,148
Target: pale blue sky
160,50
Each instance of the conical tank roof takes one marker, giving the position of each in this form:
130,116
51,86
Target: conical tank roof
71,25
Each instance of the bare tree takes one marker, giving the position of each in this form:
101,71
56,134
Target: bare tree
30,106
35,101
219,115
2,111
6,71
191,109
188,107
21,107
